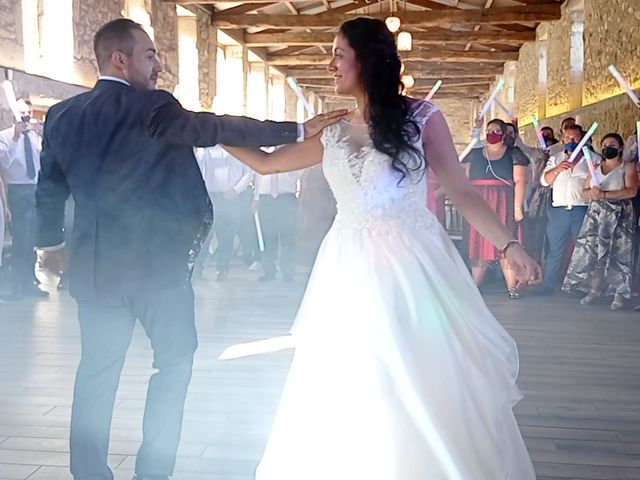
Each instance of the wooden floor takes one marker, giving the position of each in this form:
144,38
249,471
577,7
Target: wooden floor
580,374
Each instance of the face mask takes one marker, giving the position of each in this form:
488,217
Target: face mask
570,147
549,141
610,152
493,138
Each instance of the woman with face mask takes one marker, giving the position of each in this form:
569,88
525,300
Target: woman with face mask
499,173
601,263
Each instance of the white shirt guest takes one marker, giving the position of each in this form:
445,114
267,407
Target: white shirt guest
222,172
278,184
13,156
568,185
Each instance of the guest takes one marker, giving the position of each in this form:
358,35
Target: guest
601,263
568,206
558,147
20,148
316,213
277,204
537,197
499,172
549,136
226,180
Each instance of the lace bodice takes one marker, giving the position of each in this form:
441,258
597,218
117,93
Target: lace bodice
364,183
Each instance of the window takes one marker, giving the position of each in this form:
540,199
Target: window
47,27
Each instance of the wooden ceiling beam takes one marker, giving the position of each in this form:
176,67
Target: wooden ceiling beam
419,38
417,70
420,82
423,56
502,15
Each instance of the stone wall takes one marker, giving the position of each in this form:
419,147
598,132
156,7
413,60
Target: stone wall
558,68
88,16
11,34
164,20
207,54
458,115
526,95
610,37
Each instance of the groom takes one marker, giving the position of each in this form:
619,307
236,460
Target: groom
125,152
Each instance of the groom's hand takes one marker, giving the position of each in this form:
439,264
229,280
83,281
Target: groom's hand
318,123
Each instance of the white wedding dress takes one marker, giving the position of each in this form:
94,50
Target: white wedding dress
400,370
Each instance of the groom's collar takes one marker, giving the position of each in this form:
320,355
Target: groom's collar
113,79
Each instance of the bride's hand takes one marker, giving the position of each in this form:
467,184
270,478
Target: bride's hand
526,270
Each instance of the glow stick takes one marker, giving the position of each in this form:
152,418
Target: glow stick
433,90
505,109
591,165
468,148
583,142
536,125
625,85
257,347
294,86
9,93
256,219
492,97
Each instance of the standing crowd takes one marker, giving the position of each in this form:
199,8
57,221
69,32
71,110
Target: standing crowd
578,217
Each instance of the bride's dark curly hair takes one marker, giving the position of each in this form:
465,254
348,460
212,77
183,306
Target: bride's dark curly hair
391,127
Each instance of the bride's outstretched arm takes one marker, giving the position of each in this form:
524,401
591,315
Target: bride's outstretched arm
295,156
443,159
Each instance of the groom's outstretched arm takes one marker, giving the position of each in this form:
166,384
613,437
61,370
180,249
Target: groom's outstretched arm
170,122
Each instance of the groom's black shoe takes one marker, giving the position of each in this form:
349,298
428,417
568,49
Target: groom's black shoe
150,477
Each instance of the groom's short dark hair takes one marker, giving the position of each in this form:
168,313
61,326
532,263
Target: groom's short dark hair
115,35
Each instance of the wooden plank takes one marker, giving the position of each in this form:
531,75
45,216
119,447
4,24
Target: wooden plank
435,56
419,38
415,69
502,15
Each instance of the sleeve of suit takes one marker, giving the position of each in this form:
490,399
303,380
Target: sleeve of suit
172,123
51,195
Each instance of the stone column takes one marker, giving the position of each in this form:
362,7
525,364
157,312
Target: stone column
207,44
290,104
576,72
542,45
246,69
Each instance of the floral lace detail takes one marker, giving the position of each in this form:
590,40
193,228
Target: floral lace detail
368,191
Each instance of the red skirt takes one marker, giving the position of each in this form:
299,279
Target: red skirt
500,197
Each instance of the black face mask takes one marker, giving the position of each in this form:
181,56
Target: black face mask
610,152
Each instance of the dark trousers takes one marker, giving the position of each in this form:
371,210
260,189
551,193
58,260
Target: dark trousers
22,202
563,228
231,217
278,218
167,317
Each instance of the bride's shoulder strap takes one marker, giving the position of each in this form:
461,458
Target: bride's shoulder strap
422,110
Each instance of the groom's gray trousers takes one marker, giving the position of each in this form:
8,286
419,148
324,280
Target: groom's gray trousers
167,317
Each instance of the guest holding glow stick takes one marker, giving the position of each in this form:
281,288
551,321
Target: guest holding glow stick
568,206
601,263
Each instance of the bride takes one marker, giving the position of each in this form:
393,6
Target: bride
400,370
